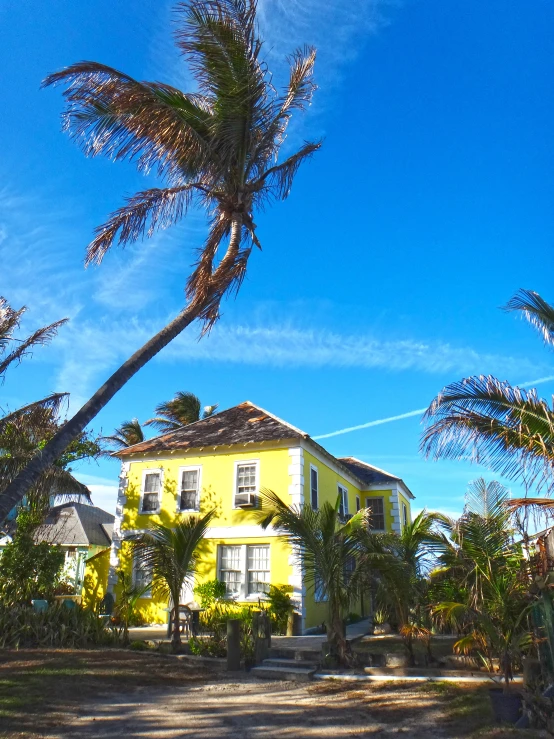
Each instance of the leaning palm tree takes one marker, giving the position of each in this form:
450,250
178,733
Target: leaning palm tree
26,429
183,409
327,550
217,148
171,555
126,435
508,429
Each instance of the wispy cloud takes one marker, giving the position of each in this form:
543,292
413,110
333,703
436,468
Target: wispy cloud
411,414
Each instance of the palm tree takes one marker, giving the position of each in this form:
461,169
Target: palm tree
185,408
509,429
483,568
327,550
128,434
217,148
401,574
26,429
171,555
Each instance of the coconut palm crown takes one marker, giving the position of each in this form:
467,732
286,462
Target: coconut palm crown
126,435
217,148
183,409
507,428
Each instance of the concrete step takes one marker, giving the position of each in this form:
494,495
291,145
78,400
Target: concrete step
307,655
422,671
282,662
299,674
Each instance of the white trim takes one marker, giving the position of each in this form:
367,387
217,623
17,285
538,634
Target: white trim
189,468
150,471
243,595
296,492
316,470
240,532
249,447
333,464
118,520
241,462
342,490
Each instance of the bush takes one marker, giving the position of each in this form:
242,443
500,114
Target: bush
58,626
280,607
210,592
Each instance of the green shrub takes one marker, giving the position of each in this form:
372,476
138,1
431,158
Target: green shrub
210,592
209,646
59,626
280,607
139,646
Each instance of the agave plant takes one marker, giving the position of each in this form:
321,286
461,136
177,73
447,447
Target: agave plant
217,148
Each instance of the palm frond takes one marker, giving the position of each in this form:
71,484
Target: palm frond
536,310
173,414
538,505
155,209
509,429
277,181
126,435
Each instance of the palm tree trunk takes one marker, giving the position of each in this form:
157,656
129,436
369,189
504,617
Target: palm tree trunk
221,279
338,646
19,486
176,632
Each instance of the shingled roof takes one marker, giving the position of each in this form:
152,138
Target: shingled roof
238,425
77,524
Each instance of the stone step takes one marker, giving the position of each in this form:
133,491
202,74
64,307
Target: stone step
309,655
299,674
282,662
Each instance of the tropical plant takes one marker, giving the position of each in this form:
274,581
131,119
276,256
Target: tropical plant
507,428
183,409
126,435
27,430
28,569
326,549
210,592
128,596
281,606
171,555
217,147
485,568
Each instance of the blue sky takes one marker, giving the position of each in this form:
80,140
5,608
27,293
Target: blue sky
381,277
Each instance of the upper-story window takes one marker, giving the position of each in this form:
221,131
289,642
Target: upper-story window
246,486
343,505
189,499
314,488
376,507
151,491
405,514
358,504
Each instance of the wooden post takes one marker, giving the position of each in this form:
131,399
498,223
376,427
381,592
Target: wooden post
261,633
233,644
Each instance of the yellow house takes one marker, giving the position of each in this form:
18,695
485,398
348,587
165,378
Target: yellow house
222,462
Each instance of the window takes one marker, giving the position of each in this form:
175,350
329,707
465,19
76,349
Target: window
314,487
343,506
246,484
151,486
357,503
258,569
142,576
405,514
245,570
376,507
320,596
190,489
230,570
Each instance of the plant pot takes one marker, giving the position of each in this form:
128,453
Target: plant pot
506,706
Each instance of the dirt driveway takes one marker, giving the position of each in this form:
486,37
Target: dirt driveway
61,694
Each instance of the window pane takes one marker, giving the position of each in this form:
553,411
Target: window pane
377,508
343,509
189,490
246,478
152,482
313,477
258,569
142,575
150,502
229,571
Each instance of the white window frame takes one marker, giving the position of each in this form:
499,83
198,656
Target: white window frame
256,493
189,468
404,514
151,471
368,506
343,491
243,564
313,468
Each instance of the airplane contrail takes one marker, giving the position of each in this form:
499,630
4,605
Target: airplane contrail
410,414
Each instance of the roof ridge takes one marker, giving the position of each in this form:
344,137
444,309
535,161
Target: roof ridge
372,466
285,423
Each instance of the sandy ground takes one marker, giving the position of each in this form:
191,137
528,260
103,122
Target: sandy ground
247,709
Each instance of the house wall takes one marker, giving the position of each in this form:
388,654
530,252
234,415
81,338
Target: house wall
95,580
